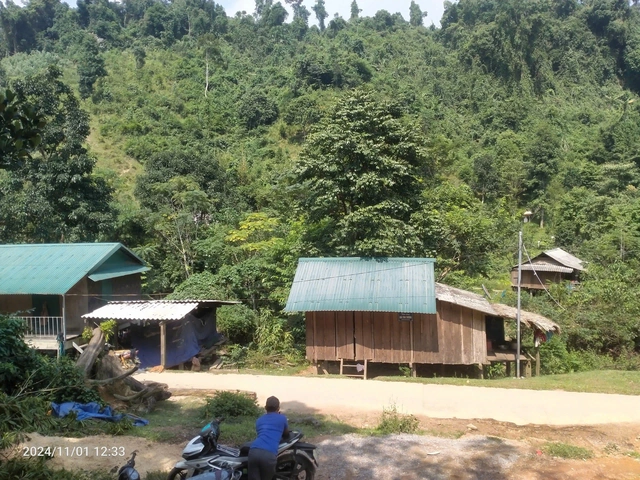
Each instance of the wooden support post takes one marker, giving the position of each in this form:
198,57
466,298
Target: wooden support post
480,371
537,361
366,362
163,344
508,365
527,369
414,370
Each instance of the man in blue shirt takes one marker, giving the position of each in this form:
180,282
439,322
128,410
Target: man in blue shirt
271,427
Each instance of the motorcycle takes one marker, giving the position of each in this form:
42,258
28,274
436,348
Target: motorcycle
128,471
205,459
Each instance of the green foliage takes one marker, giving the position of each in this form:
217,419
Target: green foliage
23,371
90,67
37,469
237,322
566,450
361,170
109,329
256,109
507,106
393,422
200,286
27,413
54,195
20,130
230,405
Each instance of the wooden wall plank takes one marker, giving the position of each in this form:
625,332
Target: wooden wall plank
368,336
358,335
479,337
344,335
467,352
405,340
310,340
426,339
326,334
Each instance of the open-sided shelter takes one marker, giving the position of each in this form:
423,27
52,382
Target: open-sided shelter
165,332
50,286
391,310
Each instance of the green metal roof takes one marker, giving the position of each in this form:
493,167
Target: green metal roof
364,285
53,269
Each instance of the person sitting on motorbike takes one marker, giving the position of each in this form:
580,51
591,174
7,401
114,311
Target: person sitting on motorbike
270,427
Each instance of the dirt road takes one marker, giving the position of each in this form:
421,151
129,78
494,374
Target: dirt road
327,395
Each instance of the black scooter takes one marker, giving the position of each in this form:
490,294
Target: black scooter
205,459
128,471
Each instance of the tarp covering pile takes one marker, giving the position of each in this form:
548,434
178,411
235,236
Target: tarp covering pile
93,410
184,341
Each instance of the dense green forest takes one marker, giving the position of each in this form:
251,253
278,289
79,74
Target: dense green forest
223,148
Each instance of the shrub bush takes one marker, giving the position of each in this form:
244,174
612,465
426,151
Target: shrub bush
230,405
393,421
23,369
237,322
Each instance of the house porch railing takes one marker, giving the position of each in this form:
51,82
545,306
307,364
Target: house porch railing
43,326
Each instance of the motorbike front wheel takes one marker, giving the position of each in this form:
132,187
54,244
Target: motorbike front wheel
179,474
294,467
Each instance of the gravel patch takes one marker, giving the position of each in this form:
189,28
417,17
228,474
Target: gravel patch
408,457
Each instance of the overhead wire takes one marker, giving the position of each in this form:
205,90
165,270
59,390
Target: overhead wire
539,279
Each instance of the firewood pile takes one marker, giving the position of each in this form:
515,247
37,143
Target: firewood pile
105,370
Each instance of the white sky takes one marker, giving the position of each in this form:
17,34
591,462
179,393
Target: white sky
434,8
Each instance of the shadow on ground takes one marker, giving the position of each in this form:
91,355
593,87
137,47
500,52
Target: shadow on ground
350,456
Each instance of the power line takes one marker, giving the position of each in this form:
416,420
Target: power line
539,279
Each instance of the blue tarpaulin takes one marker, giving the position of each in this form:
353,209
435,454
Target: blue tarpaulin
93,410
184,341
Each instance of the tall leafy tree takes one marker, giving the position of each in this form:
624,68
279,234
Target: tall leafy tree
361,174
355,10
20,131
415,14
54,196
90,66
321,13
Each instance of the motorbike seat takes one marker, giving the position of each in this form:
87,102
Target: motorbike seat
244,449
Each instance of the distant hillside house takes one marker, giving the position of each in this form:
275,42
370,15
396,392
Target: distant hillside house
51,286
391,310
552,266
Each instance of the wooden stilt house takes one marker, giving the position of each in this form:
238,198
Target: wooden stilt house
391,310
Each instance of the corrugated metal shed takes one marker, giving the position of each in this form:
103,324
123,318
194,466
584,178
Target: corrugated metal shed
364,285
565,258
152,310
53,269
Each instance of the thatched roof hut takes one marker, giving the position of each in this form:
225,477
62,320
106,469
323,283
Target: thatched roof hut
528,318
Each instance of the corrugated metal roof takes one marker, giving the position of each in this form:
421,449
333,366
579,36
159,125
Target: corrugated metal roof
445,293
53,269
117,272
565,258
363,284
545,267
153,310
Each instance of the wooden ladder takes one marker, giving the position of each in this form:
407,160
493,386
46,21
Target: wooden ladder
353,364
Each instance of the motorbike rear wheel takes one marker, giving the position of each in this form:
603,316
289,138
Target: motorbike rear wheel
294,467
